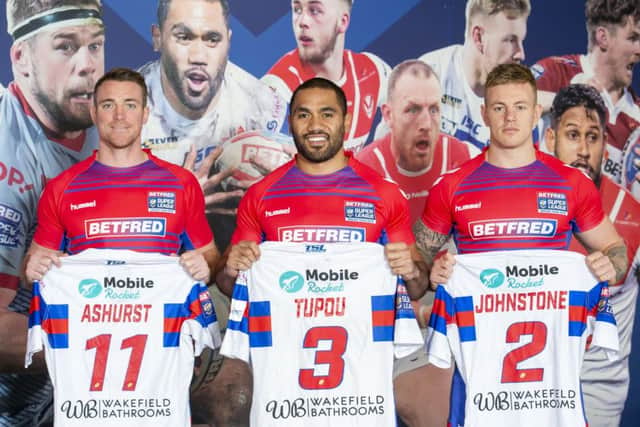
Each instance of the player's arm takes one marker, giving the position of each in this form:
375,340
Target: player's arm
406,262
38,261
200,263
607,257
545,99
237,257
429,243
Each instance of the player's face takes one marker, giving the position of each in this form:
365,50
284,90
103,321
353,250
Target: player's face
119,113
579,140
194,45
317,124
624,51
503,40
413,114
65,64
316,25
510,112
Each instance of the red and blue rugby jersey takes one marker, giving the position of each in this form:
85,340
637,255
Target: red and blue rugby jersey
488,208
152,207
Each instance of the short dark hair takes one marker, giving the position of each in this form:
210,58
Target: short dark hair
320,83
122,75
415,67
608,13
577,95
163,10
510,73
19,11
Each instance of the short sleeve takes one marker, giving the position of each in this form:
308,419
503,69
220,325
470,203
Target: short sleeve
197,228
437,209
399,226
589,212
247,224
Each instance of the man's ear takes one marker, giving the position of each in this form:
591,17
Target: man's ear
156,37
20,55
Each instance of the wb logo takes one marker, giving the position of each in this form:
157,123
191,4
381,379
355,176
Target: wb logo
291,281
491,278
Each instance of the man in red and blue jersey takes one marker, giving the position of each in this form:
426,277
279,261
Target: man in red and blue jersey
513,197
322,195
122,197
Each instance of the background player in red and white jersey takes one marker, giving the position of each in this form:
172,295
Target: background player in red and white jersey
357,205
613,49
414,154
320,27
513,196
577,137
494,34
198,99
45,127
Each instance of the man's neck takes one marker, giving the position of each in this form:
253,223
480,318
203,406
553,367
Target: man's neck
338,162
604,76
127,157
332,68
472,69
511,158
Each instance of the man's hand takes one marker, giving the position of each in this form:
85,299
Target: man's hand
38,261
601,266
241,256
214,200
400,260
196,265
442,270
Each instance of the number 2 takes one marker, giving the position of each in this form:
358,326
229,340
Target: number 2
102,343
332,357
510,371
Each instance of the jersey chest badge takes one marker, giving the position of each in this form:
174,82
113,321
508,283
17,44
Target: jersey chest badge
360,212
161,201
553,203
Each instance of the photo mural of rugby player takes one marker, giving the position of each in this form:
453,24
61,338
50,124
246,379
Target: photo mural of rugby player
414,154
56,56
494,34
198,99
613,50
577,136
393,31
320,28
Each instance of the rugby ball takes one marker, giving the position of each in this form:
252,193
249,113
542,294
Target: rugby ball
250,155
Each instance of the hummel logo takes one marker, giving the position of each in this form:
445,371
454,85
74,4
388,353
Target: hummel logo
278,212
468,206
91,204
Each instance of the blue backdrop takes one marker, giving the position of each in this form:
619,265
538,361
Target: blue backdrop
394,30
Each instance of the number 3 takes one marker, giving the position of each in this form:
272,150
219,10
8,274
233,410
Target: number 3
332,357
510,371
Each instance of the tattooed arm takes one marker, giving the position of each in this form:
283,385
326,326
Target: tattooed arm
607,257
429,243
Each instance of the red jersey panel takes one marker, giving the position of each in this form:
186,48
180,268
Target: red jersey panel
555,72
353,204
152,207
364,83
537,206
448,154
